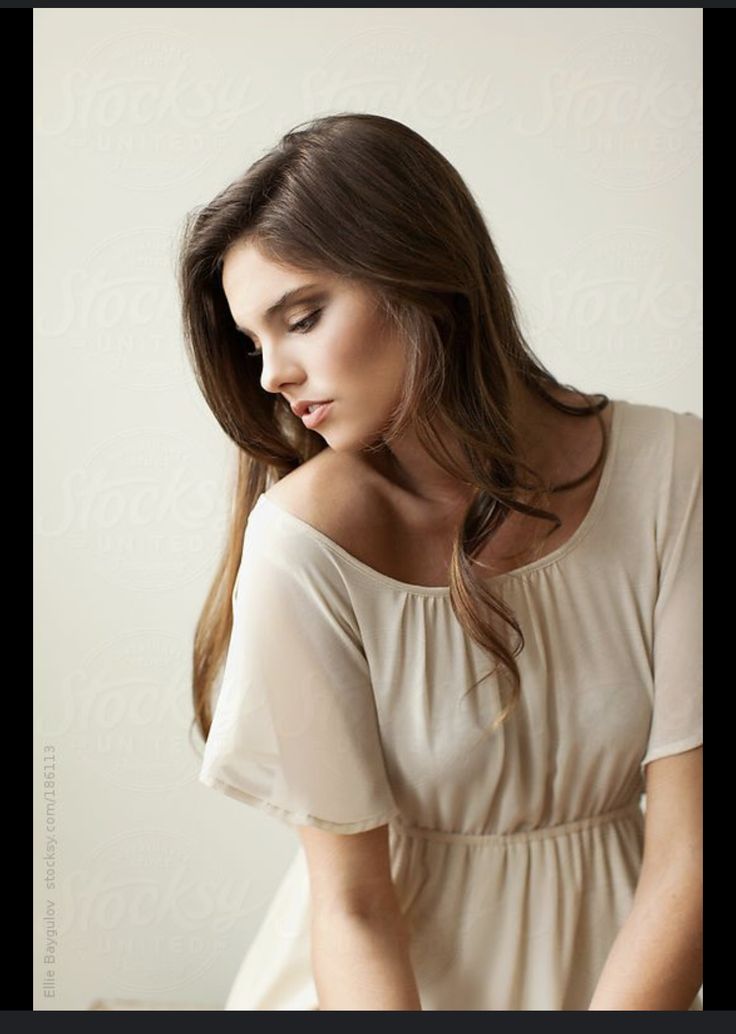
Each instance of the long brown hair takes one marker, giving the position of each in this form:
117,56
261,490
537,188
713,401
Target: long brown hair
366,197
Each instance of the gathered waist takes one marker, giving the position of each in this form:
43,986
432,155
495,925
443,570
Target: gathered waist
502,839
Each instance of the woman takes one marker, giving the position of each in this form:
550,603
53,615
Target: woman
469,837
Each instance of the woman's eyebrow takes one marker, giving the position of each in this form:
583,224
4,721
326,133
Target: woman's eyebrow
282,303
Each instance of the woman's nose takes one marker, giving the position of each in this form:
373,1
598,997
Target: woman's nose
277,373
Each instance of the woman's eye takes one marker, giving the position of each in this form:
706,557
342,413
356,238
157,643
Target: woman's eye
302,327
307,323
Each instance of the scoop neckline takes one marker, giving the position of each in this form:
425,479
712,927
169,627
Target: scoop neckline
518,572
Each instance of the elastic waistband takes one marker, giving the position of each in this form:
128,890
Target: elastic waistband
502,839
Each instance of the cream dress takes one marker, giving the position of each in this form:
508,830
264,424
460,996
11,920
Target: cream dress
345,705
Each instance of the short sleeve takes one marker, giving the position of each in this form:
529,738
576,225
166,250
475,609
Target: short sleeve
295,730
677,714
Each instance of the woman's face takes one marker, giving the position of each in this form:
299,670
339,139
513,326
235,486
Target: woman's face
327,342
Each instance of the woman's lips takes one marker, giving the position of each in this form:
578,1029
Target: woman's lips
311,420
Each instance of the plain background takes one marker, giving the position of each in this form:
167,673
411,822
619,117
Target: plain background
578,132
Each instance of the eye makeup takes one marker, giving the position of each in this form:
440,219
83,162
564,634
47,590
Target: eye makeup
302,327
286,301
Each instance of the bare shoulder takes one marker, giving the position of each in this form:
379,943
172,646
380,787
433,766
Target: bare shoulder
339,494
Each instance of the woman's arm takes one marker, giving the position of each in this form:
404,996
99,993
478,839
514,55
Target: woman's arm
362,962
359,934
656,961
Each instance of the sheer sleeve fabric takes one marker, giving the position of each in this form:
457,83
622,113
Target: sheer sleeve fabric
677,716
295,730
